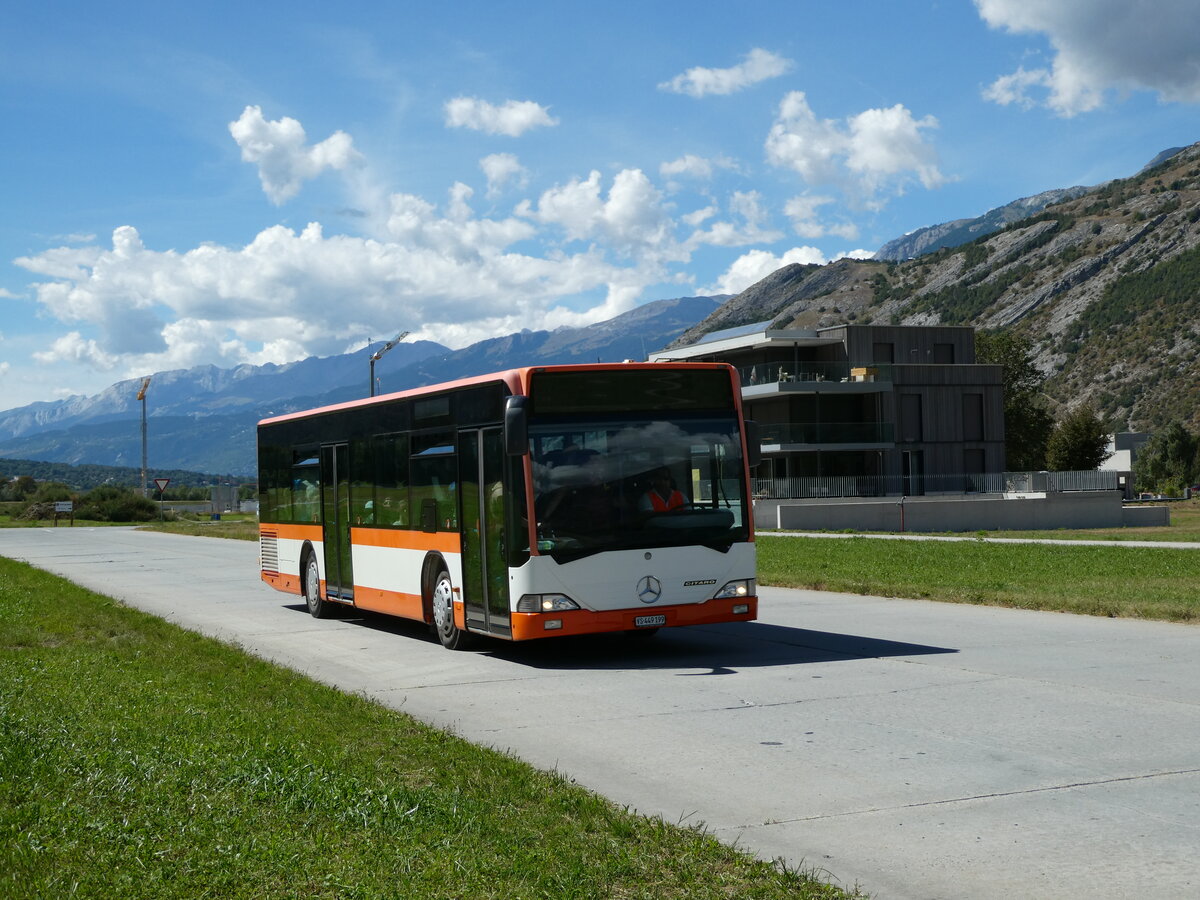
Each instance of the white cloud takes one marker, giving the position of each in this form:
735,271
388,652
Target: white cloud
7,295
696,166
875,151
753,229
443,270
759,65
1101,45
72,347
280,151
632,219
756,265
1014,89
513,119
503,170
802,210
285,295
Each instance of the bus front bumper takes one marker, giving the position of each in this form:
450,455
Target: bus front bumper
526,626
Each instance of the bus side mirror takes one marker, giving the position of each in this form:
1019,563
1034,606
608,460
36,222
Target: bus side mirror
753,444
516,426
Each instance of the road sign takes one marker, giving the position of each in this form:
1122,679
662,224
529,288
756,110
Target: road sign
161,484
63,506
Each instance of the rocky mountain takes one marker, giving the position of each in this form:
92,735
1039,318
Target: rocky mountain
960,231
1106,285
207,390
203,419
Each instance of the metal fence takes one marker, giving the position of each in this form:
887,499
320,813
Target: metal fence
808,486
826,432
806,371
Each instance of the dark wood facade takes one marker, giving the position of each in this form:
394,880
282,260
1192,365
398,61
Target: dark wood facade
866,400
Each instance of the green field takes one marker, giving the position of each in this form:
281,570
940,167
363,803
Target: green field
1139,582
140,760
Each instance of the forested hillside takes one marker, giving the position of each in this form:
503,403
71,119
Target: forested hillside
86,477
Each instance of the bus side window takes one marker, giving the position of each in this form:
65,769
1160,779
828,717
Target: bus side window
306,506
362,493
433,473
305,484
391,481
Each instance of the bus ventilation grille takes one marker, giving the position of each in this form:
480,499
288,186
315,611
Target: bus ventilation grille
268,551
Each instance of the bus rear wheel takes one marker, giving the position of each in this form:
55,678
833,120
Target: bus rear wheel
451,636
318,607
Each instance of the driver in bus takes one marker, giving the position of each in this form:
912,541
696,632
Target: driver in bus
661,497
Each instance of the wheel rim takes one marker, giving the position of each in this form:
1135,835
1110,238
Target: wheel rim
312,584
443,610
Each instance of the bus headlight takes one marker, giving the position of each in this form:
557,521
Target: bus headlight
742,587
545,603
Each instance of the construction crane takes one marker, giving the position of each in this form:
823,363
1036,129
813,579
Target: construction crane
382,350
141,395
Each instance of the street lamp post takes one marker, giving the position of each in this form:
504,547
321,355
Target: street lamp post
378,353
142,397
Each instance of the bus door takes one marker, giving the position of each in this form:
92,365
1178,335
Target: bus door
335,517
481,462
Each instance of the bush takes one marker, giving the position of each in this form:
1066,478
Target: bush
114,504
51,491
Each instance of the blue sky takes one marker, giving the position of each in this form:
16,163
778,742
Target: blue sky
259,182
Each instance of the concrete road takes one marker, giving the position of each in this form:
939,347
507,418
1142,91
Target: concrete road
919,750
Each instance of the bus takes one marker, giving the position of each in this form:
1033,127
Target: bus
531,503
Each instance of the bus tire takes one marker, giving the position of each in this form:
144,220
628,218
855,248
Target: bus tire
442,601
317,606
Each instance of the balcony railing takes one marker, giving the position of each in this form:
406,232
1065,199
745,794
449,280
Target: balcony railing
827,433
808,486
802,371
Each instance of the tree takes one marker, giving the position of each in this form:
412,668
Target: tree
1027,419
22,488
50,491
1168,462
1079,441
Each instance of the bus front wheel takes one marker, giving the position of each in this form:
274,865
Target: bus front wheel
318,607
451,636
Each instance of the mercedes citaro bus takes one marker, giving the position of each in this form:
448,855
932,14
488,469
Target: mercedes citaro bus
521,504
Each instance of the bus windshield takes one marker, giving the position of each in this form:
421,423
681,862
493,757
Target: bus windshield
637,480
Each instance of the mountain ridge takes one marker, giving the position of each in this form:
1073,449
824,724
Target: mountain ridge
204,418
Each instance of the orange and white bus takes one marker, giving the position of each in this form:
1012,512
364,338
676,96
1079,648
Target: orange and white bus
517,505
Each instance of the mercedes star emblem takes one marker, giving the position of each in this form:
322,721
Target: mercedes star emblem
649,589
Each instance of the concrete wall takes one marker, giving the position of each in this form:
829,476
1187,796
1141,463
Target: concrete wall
989,512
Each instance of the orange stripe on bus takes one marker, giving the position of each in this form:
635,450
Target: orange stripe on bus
394,603
289,584
291,532
397,539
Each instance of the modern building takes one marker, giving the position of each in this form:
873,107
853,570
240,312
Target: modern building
864,410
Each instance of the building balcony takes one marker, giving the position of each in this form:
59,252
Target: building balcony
823,434
813,375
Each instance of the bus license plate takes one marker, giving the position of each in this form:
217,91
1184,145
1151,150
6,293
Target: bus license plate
649,621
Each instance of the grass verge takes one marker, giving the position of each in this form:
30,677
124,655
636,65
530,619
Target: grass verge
242,529
140,760
1139,582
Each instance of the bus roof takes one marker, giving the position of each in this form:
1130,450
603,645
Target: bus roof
517,381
